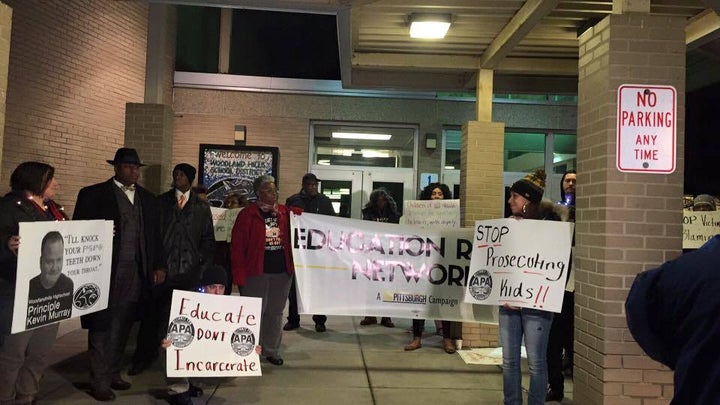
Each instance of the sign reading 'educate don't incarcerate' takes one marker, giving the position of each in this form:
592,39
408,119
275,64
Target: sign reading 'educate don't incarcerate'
646,129
522,263
213,335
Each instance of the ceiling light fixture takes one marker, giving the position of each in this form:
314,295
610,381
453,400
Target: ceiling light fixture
360,135
429,26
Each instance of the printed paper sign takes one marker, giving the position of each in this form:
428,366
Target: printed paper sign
213,335
353,267
63,271
523,263
432,213
699,227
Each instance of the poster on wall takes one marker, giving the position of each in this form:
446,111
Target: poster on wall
226,169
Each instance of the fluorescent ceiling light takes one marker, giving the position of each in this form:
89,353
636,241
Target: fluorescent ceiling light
369,153
429,26
359,135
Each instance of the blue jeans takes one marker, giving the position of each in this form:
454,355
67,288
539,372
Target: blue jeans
535,326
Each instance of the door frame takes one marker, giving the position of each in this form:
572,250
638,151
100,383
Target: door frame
362,179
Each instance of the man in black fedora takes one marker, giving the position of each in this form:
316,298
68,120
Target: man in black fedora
137,266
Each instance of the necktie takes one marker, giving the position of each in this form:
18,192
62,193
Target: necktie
128,188
181,201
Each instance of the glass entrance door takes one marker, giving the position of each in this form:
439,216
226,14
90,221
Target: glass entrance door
349,188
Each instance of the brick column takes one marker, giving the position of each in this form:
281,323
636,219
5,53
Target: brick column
481,182
149,129
626,223
5,29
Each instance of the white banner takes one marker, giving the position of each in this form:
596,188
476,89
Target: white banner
213,335
351,267
699,227
431,213
523,263
63,271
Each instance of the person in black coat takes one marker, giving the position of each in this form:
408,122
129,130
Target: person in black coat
314,202
23,355
381,207
672,312
137,266
563,324
189,242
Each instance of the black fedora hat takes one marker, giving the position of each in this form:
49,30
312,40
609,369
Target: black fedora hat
126,155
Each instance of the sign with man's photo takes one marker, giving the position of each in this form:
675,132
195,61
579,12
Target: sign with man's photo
63,271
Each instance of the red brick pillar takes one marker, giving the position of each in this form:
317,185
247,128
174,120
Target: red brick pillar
626,223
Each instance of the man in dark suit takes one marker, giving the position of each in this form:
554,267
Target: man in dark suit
137,266
188,241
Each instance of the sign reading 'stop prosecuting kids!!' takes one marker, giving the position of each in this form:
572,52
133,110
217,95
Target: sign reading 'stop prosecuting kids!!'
63,271
213,335
522,263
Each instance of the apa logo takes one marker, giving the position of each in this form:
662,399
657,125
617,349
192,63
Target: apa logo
480,285
86,296
242,341
181,332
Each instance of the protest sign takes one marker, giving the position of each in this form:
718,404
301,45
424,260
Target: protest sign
351,267
223,222
213,335
523,263
431,213
63,271
219,223
699,227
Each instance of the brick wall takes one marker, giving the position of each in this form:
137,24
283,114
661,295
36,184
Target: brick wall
5,29
211,112
626,223
289,134
73,66
149,129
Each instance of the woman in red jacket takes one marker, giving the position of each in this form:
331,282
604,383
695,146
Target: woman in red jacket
262,262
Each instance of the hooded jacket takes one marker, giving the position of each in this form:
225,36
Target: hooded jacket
672,312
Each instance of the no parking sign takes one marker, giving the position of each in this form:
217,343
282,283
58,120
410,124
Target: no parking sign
646,129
